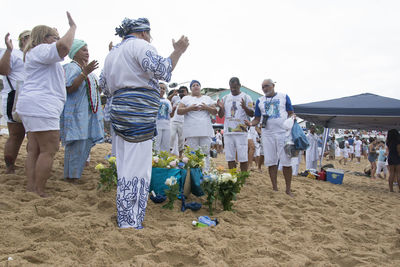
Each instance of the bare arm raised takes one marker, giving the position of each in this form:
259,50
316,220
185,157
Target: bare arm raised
64,44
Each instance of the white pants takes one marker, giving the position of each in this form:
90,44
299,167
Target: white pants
296,163
274,151
381,166
236,143
202,142
162,139
134,175
176,131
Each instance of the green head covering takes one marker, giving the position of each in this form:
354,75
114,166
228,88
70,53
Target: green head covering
76,45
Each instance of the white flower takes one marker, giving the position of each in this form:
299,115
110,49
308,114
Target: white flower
213,176
173,180
185,160
226,177
155,159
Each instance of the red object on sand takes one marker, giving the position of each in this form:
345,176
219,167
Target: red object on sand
322,176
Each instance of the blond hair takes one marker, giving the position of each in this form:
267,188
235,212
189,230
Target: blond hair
38,36
21,38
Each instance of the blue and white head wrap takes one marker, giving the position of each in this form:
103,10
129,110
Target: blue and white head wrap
193,82
131,25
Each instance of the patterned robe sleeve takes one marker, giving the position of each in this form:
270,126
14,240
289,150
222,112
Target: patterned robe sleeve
150,61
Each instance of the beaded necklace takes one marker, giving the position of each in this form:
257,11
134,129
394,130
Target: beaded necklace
93,107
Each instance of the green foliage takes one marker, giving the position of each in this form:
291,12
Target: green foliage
195,158
172,194
108,176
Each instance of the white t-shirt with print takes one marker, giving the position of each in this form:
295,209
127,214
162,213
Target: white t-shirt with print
43,93
235,114
175,103
197,123
17,74
163,115
276,108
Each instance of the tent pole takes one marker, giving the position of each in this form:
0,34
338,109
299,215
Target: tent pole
325,137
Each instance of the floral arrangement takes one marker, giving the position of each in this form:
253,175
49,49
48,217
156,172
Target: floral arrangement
166,160
191,159
108,175
172,192
195,158
224,186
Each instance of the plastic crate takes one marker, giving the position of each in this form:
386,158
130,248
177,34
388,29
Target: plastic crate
334,176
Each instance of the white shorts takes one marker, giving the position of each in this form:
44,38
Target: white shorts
37,124
381,166
236,143
351,150
357,153
274,152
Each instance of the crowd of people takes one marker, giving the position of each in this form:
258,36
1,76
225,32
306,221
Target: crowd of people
56,102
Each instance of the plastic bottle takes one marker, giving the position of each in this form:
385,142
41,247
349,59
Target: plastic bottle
199,224
207,221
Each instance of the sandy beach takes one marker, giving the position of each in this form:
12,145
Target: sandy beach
354,224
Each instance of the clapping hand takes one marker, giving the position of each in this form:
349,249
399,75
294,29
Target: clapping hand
203,106
243,104
220,103
90,67
8,42
181,44
194,107
71,22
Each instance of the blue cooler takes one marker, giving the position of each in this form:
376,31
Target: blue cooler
334,176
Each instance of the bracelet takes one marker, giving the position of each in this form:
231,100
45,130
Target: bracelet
83,74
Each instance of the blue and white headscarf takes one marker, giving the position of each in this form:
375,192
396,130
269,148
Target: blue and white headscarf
131,25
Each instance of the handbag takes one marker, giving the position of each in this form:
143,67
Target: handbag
12,103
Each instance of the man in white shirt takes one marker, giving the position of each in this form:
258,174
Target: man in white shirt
236,107
312,154
357,148
273,109
177,121
163,121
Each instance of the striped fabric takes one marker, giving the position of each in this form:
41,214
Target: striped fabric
133,113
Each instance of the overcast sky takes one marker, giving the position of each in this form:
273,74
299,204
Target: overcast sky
314,49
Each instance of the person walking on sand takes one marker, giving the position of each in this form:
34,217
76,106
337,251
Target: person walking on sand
41,100
273,109
372,156
132,71
393,144
12,67
236,107
357,149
